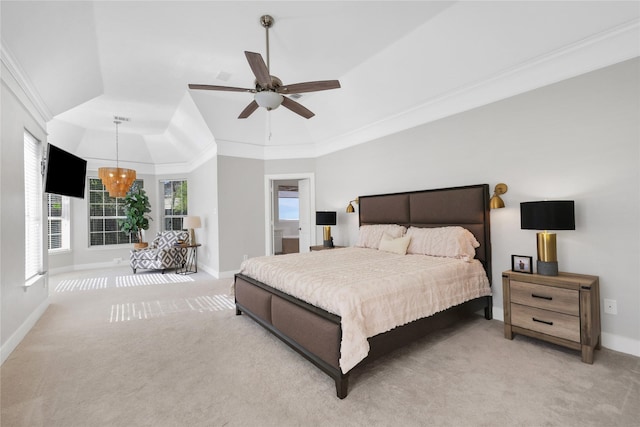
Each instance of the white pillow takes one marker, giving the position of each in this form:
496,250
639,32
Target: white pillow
370,235
396,246
452,242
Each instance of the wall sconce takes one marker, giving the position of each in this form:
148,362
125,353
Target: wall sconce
350,208
496,202
549,215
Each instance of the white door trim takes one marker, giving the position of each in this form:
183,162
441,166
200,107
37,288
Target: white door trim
268,220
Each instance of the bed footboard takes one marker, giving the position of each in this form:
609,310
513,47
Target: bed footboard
314,333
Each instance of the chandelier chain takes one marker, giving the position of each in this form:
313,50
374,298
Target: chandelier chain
117,122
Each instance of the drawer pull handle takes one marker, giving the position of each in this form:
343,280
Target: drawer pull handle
542,321
542,297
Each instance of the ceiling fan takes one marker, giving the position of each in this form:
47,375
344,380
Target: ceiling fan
269,90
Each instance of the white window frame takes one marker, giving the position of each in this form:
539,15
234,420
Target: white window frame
65,239
166,203
118,200
34,211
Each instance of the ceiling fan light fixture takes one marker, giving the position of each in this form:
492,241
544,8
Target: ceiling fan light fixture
268,99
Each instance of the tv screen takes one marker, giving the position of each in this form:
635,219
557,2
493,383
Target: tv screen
65,174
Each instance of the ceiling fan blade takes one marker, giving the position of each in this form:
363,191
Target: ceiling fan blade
297,107
224,88
249,109
309,86
259,69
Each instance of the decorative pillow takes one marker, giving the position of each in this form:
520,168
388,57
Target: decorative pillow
396,246
370,235
452,242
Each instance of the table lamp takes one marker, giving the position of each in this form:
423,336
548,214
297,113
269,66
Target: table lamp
547,215
189,223
327,219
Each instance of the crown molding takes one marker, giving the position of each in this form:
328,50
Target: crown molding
600,50
23,81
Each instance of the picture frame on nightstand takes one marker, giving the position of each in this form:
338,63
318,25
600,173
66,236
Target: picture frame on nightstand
522,264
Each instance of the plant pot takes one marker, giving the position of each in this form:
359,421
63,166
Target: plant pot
140,245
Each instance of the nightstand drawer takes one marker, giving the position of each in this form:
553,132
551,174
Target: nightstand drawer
546,297
546,322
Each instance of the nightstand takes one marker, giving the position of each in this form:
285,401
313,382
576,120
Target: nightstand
562,309
322,248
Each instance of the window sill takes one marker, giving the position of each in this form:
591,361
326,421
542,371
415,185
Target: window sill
59,251
111,247
34,280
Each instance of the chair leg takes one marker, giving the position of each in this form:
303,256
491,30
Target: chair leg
134,270
163,271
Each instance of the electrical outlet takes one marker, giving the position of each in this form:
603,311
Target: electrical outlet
117,260
610,306
245,257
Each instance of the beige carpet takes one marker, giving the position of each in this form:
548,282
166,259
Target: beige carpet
192,362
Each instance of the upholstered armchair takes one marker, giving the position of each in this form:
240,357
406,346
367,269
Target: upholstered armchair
162,253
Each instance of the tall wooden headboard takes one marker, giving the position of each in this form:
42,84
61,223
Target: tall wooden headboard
466,206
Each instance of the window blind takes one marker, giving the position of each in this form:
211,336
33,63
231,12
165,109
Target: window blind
33,238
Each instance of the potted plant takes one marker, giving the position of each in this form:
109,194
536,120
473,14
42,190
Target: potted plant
136,207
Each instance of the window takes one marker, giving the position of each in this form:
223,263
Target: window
104,213
58,223
288,203
175,203
33,238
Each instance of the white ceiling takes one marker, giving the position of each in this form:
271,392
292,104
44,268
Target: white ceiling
400,64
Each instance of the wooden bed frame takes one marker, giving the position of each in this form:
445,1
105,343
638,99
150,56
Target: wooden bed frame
316,334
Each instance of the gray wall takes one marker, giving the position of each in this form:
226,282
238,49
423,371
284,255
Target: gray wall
203,202
20,307
240,211
578,139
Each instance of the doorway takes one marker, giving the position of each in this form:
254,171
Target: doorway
290,204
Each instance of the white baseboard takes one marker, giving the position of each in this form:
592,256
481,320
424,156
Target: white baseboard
79,267
610,341
209,270
227,274
22,331
621,344
218,274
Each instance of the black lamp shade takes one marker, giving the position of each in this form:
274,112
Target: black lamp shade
325,218
548,215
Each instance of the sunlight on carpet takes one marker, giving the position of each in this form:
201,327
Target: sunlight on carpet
120,282
149,309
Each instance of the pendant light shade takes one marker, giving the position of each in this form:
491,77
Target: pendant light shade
117,180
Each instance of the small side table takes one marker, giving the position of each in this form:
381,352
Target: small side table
322,247
562,309
191,262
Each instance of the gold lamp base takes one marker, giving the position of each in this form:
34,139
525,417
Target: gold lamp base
547,254
326,233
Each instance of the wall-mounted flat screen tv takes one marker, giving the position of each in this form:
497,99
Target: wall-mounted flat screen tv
65,173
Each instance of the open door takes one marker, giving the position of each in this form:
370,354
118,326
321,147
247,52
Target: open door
305,215
304,235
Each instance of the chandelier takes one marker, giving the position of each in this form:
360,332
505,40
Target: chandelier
117,180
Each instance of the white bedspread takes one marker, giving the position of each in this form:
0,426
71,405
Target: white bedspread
372,291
